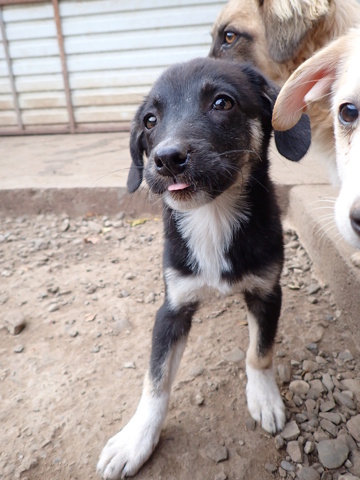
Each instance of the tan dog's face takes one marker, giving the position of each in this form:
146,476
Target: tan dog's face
238,34
273,35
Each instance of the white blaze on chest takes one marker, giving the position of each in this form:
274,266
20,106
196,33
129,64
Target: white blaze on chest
208,232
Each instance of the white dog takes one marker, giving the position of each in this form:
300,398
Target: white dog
333,72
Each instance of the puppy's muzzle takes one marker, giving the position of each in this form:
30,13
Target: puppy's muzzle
171,161
355,217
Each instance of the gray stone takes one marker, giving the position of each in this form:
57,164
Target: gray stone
332,417
350,442
353,384
332,453
301,417
216,453
309,447
310,366
53,307
321,436
315,334
308,473
287,466
326,476
294,450
313,288
344,400
348,476
130,365
291,431
19,348
327,382
279,442
270,467
199,399
196,371
284,372
312,347
327,406
299,387
317,385
310,405
236,355
220,476
329,427
15,322
353,426
250,424
346,356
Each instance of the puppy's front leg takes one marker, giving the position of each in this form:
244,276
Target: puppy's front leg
263,396
127,451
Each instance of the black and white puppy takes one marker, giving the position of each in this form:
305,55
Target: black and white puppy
205,128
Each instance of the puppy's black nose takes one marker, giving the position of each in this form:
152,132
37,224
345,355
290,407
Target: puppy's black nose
170,161
355,217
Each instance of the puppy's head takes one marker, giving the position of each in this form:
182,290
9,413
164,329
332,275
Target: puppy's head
205,126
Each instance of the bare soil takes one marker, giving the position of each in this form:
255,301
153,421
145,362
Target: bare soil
87,290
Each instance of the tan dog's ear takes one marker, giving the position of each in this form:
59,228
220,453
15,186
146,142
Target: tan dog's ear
287,22
312,81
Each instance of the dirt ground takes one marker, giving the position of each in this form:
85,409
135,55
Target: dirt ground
87,290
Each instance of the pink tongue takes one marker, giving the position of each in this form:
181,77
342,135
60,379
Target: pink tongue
177,186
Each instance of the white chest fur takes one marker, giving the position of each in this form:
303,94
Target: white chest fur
208,231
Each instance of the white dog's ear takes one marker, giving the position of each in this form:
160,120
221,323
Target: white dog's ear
312,81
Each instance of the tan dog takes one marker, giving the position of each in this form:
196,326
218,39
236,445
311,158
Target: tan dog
332,74
278,36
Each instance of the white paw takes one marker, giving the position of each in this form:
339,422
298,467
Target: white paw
129,449
264,399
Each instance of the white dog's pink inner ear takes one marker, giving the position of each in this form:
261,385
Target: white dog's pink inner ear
321,88
177,186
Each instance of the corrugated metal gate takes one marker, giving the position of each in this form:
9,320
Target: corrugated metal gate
84,65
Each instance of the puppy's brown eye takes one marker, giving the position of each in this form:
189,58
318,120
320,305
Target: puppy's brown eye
223,103
230,37
348,113
150,121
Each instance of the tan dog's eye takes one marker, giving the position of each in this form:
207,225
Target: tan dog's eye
150,121
348,113
223,103
230,37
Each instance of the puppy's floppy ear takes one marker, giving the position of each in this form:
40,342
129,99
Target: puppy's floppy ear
137,149
287,22
293,143
312,81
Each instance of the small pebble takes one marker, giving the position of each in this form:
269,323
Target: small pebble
19,348
287,466
290,431
308,473
270,467
217,453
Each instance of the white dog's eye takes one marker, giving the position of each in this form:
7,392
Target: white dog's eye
230,37
348,113
150,121
223,103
